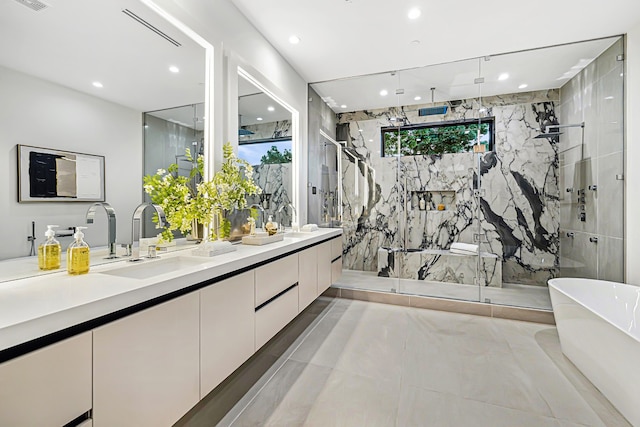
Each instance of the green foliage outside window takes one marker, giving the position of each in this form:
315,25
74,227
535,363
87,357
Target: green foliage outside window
439,139
274,155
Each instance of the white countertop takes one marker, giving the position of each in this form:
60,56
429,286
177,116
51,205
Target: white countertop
37,306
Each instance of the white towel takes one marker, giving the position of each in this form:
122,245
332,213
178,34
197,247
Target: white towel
464,248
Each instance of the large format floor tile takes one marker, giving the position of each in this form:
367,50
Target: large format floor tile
366,364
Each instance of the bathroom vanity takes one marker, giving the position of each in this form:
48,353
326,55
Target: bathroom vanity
141,343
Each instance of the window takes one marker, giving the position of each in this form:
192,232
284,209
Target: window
438,138
262,152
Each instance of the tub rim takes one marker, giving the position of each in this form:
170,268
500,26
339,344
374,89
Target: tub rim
552,283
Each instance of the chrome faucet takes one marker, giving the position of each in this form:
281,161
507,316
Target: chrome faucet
279,215
136,229
259,206
111,229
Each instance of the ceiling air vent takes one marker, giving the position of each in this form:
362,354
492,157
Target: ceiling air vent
132,15
33,4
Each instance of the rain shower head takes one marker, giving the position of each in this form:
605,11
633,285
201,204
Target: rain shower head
554,130
548,135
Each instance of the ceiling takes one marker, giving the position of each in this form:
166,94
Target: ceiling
538,69
346,38
77,42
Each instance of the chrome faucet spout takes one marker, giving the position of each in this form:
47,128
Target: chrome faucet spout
279,215
111,228
136,229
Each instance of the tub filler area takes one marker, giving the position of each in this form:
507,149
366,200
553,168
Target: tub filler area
439,265
599,330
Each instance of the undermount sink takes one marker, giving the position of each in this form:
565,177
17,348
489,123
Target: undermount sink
150,268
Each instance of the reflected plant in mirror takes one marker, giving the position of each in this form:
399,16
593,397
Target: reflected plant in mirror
187,201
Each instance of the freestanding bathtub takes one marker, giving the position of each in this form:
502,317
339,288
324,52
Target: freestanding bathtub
599,327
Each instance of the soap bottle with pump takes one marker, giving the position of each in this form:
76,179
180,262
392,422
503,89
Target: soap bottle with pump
49,251
271,227
78,254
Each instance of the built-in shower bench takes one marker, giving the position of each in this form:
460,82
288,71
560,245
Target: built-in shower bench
439,265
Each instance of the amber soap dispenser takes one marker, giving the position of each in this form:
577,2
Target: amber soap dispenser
78,254
49,251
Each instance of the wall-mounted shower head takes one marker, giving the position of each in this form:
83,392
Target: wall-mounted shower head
554,130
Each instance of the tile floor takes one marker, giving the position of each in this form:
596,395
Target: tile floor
510,294
359,363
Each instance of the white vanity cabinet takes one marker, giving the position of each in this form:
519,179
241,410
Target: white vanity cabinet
336,259
307,277
324,266
227,324
276,297
146,369
47,387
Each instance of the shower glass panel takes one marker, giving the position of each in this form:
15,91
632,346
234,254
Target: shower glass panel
439,105
370,197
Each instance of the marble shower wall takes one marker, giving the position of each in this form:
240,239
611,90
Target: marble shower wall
595,97
275,181
519,211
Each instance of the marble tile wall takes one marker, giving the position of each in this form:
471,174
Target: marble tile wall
275,181
595,97
519,211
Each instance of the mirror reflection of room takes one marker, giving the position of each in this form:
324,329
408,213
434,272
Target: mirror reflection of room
264,140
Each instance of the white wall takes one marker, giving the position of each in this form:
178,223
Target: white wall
42,114
632,157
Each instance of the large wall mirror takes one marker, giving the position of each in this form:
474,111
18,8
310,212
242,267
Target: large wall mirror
265,140
79,75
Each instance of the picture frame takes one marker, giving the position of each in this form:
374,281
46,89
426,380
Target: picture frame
51,175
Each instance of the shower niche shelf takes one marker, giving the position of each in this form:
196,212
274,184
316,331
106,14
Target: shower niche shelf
433,200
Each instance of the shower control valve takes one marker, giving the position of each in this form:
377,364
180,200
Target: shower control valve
569,190
570,234
593,239
593,187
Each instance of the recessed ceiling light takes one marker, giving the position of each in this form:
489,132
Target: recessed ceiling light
97,84
384,92
523,86
609,97
270,108
414,13
360,130
503,76
259,119
415,42
174,69
294,39
417,98
343,106
371,140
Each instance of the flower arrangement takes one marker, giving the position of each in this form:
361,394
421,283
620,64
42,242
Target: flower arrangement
190,200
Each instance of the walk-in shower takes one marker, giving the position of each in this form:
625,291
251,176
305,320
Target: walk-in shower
491,173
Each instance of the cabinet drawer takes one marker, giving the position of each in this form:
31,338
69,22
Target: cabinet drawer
227,322
308,280
274,316
336,247
324,266
336,270
275,277
48,387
